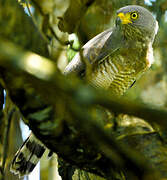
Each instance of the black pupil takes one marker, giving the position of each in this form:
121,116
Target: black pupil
134,15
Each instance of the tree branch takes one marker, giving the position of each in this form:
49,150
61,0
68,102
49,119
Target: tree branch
57,108
66,114
73,14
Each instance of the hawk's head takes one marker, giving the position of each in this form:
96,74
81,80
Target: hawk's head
139,18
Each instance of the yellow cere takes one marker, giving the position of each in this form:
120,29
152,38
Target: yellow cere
125,18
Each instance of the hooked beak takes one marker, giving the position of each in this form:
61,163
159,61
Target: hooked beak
125,18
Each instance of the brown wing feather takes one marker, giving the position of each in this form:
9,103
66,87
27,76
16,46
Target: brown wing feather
95,50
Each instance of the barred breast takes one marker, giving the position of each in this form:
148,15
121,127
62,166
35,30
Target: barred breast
109,75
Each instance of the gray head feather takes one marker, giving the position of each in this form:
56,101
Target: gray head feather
146,21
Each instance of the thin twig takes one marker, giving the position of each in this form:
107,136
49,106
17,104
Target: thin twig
63,43
35,23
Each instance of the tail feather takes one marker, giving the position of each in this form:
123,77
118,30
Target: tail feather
27,156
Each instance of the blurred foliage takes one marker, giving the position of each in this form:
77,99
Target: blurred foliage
53,23
72,49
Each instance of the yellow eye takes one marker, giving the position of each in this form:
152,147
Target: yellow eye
134,15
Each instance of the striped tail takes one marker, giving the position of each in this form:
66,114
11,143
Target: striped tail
27,156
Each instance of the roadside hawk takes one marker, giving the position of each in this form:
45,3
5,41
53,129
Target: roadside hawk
113,59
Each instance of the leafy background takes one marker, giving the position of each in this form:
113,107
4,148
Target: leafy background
66,26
